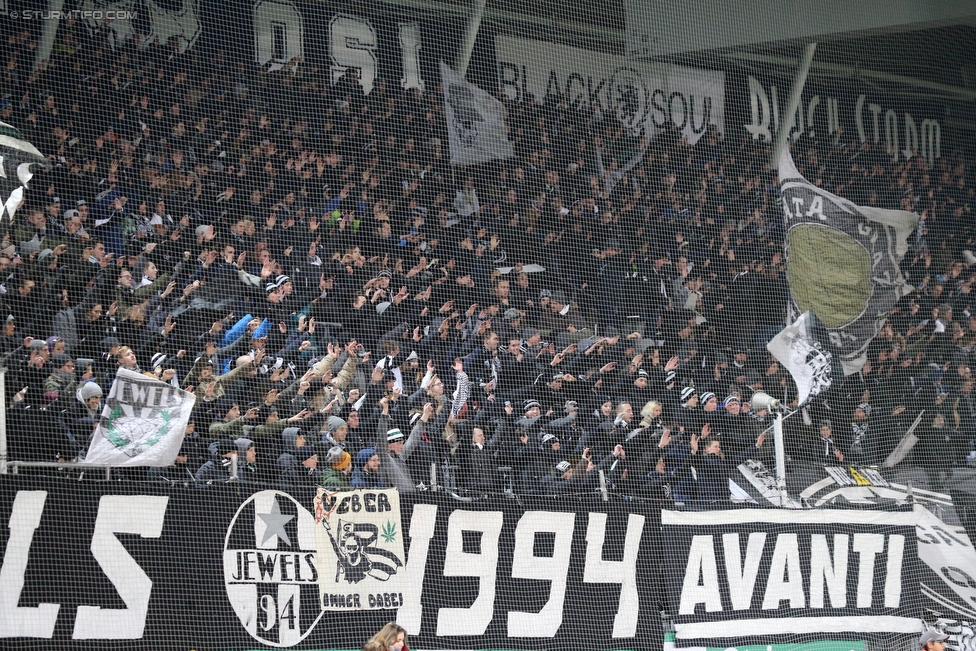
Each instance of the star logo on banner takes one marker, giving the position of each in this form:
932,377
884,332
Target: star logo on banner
275,522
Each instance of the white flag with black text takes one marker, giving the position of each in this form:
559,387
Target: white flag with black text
808,360
475,121
142,423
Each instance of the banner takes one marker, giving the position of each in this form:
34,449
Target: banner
809,361
819,645
844,111
842,262
946,570
762,575
359,545
645,97
227,568
165,22
475,121
142,423
223,569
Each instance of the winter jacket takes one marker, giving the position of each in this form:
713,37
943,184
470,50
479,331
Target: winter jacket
713,474
393,468
339,383
332,478
360,477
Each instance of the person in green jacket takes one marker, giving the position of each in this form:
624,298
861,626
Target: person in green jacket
338,467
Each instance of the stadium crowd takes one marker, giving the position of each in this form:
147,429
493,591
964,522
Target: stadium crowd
350,310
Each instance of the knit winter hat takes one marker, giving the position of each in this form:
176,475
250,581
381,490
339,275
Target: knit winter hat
686,394
364,455
90,390
61,359
342,462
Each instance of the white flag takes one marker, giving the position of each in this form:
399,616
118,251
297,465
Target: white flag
808,361
18,161
475,121
142,422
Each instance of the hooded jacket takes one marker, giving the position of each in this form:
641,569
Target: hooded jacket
216,469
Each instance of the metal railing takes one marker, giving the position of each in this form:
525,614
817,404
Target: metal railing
15,466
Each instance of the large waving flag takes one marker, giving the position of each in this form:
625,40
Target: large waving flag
842,262
475,121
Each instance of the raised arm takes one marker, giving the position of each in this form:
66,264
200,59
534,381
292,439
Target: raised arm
418,431
382,426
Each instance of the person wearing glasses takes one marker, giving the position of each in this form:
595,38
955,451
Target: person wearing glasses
932,640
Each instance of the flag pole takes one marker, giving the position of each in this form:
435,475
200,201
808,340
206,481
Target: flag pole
780,458
797,91
762,401
3,421
48,33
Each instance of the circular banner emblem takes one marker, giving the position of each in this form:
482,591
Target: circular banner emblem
270,569
628,97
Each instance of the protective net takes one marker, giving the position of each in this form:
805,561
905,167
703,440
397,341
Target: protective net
521,325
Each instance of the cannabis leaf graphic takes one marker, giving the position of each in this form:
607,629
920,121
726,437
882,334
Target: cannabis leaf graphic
389,532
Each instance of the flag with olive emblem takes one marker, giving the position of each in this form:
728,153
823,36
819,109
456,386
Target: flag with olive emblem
842,262
142,423
18,161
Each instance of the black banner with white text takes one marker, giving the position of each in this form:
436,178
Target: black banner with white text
96,565
100,565
764,574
